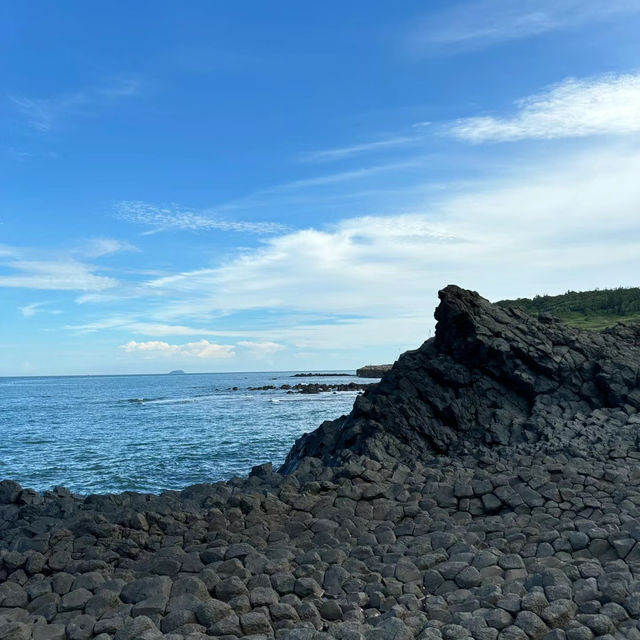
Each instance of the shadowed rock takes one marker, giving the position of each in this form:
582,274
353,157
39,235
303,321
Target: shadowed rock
490,376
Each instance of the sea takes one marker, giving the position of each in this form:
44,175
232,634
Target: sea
149,433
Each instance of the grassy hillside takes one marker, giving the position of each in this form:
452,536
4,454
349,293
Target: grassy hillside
596,309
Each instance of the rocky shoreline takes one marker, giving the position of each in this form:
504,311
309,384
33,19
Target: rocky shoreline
323,375
487,488
315,387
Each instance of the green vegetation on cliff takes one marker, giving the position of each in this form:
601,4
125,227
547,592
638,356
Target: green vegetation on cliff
596,309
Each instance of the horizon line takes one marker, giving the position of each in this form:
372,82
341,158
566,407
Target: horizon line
169,373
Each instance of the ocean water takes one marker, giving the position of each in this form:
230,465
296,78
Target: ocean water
99,434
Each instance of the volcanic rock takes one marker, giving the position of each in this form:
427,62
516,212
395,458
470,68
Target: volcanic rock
373,370
491,377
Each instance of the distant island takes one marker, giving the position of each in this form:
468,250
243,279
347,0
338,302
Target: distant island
595,310
176,372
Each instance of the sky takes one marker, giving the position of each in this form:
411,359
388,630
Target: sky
251,186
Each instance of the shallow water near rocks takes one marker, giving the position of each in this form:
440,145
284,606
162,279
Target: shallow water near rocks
100,434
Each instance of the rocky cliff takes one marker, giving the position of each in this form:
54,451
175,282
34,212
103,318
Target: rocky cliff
492,377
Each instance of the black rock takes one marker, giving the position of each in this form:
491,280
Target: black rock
490,377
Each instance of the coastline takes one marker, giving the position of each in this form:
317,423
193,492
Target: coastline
150,433
395,534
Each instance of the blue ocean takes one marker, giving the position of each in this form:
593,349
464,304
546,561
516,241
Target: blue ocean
99,434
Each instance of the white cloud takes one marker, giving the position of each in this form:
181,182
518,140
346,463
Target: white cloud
173,216
545,225
574,108
317,271
570,222
60,275
481,23
47,114
202,349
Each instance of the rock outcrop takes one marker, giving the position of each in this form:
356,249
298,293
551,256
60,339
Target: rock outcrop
373,370
491,377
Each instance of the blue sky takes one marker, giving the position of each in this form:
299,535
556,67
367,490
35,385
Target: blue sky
258,186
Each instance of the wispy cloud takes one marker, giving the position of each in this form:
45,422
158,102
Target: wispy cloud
173,216
34,308
113,322
476,24
30,310
301,191
298,193
97,247
61,275
339,153
202,349
343,176
132,324
573,108
43,114
47,114
58,270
